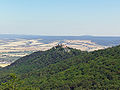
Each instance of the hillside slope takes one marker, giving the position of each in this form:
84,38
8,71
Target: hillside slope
71,70
42,59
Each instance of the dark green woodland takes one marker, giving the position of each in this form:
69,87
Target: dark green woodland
64,68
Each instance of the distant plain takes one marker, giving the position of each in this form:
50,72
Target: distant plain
12,47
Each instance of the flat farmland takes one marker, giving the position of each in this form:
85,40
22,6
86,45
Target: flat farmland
13,49
4,65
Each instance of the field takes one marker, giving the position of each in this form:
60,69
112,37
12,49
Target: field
4,65
15,46
13,49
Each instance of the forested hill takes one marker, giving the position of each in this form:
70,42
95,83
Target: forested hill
42,59
64,68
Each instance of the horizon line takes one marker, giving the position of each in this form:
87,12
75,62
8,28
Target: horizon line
62,35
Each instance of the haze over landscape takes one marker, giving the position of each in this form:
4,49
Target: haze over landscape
59,45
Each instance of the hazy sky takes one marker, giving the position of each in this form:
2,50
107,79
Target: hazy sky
60,17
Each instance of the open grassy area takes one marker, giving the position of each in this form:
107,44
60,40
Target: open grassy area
4,65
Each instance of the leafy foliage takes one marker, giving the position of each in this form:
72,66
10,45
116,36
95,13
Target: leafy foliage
11,83
67,69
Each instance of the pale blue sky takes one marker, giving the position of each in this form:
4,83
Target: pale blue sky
60,17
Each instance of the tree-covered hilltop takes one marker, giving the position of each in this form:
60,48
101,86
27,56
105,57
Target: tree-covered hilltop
42,59
64,68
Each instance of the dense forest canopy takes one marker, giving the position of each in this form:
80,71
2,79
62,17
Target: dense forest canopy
64,68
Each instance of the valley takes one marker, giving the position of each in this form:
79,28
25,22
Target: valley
11,50
13,47
60,45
